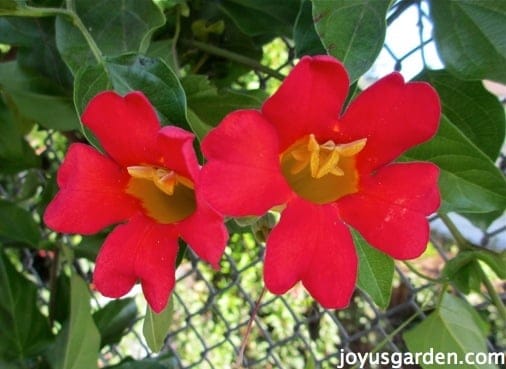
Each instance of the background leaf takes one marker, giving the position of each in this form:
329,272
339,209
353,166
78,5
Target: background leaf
375,271
78,343
470,37
38,98
352,31
472,109
156,326
307,41
24,331
17,224
15,153
451,328
469,180
114,319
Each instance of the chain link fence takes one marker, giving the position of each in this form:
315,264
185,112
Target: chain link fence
212,309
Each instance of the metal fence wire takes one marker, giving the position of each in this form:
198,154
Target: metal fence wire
212,309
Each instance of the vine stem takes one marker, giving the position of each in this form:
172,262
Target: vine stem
240,355
463,244
494,296
211,49
459,238
420,274
34,12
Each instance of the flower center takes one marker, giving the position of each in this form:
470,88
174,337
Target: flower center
321,173
166,196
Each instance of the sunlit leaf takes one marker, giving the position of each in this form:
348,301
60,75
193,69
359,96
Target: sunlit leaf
469,180
472,109
156,326
451,328
470,37
375,272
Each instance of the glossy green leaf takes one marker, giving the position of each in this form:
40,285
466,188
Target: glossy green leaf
470,37
352,31
114,319
38,98
134,72
24,331
451,328
116,26
77,345
375,272
469,180
15,153
17,224
208,105
307,41
472,109
156,326
260,17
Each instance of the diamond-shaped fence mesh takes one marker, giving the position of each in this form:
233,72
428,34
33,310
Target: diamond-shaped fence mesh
212,309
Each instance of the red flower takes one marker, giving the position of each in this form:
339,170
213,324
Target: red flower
148,180
331,170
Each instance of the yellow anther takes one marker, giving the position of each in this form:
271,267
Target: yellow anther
165,180
329,165
351,148
323,159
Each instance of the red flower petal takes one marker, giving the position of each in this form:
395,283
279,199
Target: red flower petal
176,146
393,116
125,126
391,208
205,233
243,174
140,249
92,193
311,244
309,100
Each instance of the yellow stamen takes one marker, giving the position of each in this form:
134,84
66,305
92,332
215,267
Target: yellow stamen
164,179
323,159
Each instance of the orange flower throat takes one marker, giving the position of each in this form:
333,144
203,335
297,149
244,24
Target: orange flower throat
166,196
321,173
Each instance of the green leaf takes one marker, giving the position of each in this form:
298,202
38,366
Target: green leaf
375,272
114,319
116,26
470,38
17,224
15,153
469,180
130,73
197,126
77,345
472,109
8,5
451,328
38,98
352,31
34,39
307,41
156,326
24,331
260,17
